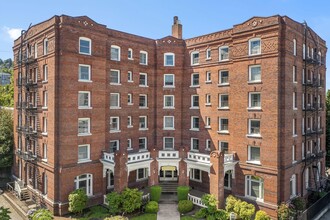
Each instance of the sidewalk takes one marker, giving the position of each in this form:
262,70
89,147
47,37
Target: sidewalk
14,214
168,212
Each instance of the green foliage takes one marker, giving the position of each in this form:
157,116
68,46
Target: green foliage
211,212
187,218
152,207
42,214
155,193
7,92
262,215
202,213
115,202
6,138
211,202
299,203
118,217
185,206
131,200
221,214
147,216
183,192
230,203
283,212
77,201
4,213
241,208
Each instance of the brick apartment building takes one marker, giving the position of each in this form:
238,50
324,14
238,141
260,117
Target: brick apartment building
239,111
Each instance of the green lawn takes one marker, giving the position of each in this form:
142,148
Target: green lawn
188,218
146,216
96,212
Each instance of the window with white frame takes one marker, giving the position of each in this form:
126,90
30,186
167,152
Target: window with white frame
223,77
208,53
85,45
195,174
141,173
85,182
129,144
143,80
223,101
113,146
114,124
129,76
115,53
223,146
84,99
168,122
168,101
143,101
207,122
223,125
224,53
195,79
45,150
293,186
110,179
254,154
143,123
194,144
83,153
130,99
129,121
45,73
294,74
45,180
254,100
303,150
208,144
84,72
194,123
169,59
36,50
254,187
294,154
114,100
208,77
169,80
304,51
44,129
142,143
255,73
208,99
303,76
195,101
83,126
168,143
294,127
254,46
228,180
254,127
114,77
45,46
143,58
195,58
294,47
294,100
130,54
45,99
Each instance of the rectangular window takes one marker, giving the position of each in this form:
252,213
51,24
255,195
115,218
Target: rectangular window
143,101
85,46
255,73
254,100
83,153
208,54
196,175
169,80
168,122
224,101
223,53
130,54
84,72
208,77
46,46
169,59
143,58
223,77
254,127
143,81
129,144
255,46
114,124
223,146
207,122
168,101
129,76
228,180
223,125
143,123
294,47
45,73
195,123
141,173
45,156
115,53
143,143
195,79
293,186
83,126
194,144
294,153
208,99
114,77
130,99
294,100
195,101
168,143
294,127
254,154
114,100
254,187
294,74
195,58
208,144
84,99
114,146
44,130
129,122
45,99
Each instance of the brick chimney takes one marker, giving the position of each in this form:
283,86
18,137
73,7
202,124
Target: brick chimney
177,28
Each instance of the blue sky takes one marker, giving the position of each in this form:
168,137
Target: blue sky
153,18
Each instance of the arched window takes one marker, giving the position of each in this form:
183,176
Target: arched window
84,181
254,187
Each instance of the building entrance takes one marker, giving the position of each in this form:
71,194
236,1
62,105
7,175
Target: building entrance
168,173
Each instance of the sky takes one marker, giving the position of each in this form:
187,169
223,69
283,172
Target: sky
153,18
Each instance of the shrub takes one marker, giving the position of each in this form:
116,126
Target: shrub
211,202
244,210
42,214
262,215
152,207
185,206
155,193
202,213
77,201
131,199
230,203
299,204
183,192
4,213
283,212
221,214
115,202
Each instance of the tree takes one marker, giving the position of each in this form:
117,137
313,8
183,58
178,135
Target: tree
77,201
42,214
6,138
7,94
4,213
328,128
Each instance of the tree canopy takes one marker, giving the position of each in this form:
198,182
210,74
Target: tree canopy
7,91
6,138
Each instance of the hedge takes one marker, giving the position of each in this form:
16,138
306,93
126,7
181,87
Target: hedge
185,206
183,192
155,193
152,207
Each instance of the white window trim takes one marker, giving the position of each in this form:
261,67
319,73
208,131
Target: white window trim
146,80
192,175
130,99
250,101
89,73
220,145
167,86
117,144
164,143
146,53
230,176
164,124
250,134
90,45
208,78
192,80
116,130
220,76
257,162
294,101
294,127
294,74
294,157
131,76
45,46
207,54
130,124
192,144
89,179
207,120
44,126
192,102
250,79
145,122
208,148
220,105
118,72
146,144
223,131
192,123
250,49
169,107
146,101
248,191
129,144
35,50
220,48
119,52
89,127
118,102
294,47
88,154
293,181
208,99
89,100
45,99
130,58
145,174
45,152
169,54
191,58
45,73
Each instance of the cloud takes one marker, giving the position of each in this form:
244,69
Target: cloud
13,33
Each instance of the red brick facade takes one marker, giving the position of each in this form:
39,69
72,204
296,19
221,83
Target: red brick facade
239,91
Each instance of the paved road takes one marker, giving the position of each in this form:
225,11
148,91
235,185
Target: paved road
13,214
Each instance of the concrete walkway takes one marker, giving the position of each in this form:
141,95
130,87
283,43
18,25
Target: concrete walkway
168,212
14,214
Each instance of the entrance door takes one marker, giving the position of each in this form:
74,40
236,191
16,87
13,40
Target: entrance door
168,173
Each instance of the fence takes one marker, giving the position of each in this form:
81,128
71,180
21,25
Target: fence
316,208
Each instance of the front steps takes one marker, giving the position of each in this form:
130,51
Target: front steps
169,187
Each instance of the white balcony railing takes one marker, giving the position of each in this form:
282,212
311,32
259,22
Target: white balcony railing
198,157
196,200
168,154
109,157
228,158
138,157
